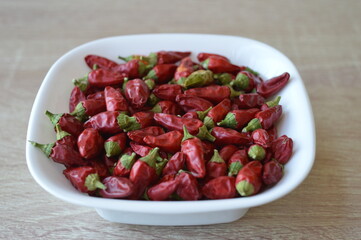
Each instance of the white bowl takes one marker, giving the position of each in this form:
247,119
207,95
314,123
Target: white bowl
297,123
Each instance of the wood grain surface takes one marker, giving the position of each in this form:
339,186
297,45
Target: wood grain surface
322,38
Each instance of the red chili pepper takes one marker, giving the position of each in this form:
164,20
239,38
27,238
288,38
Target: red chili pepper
219,65
115,144
212,93
115,100
172,122
272,133
222,187
163,57
85,178
271,103
88,108
124,165
65,138
76,96
272,86
250,100
133,69
137,92
102,78
208,149
167,91
138,135
188,187
175,163
139,149
162,73
204,56
90,143
192,103
169,142
245,81
145,119
199,115
163,189
237,119
168,107
264,119
100,62
61,153
282,149
185,68
143,173
261,137
236,162
227,151
100,167
98,95
272,172
192,148
105,122
67,123
216,166
217,113
226,136
249,179
117,187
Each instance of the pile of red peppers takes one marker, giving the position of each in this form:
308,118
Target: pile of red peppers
163,127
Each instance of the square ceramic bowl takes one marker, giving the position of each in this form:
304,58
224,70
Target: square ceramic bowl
296,122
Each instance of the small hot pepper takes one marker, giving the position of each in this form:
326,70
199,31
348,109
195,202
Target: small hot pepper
213,93
249,179
272,172
256,152
272,133
66,122
88,108
97,95
143,173
65,138
200,115
124,164
264,119
168,107
192,148
164,57
226,136
204,56
137,92
236,162
227,151
102,78
282,149
163,189
167,91
140,149
76,96
133,69
185,68
169,142
198,78
271,103
175,163
114,100
117,187
272,86
261,137
100,62
192,103
216,166
237,119
115,144
162,73
137,121
208,149
84,178
172,122
250,100
222,187
244,81
187,187
138,135
105,122
219,65
90,143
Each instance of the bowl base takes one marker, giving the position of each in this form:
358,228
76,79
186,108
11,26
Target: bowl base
172,219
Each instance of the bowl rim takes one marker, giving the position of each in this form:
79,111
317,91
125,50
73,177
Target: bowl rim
164,207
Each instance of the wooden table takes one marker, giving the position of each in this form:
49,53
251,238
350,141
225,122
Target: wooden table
322,38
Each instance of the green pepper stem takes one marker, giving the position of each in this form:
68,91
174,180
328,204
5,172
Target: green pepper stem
127,123
252,125
202,114
60,133
208,122
151,158
45,148
204,134
112,149
256,152
234,93
92,182
274,102
79,112
234,168
128,160
198,79
229,121
186,134
54,118
245,188
81,83
216,157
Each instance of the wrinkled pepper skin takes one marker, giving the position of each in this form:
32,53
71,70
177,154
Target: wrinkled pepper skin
168,142
76,96
66,155
114,100
227,151
90,143
219,65
168,107
216,167
212,93
77,176
272,172
124,164
236,162
138,135
162,191
204,56
185,68
117,187
237,119
226,136
261,137
172,122
188,187
175,163
272,86
250,100
249,179
162,73
102,78
268,117
167,91
100,62
164,57
192,103
222,187
115,144
282,149
66,122
137,93
145,119
139,149
105,122
133,69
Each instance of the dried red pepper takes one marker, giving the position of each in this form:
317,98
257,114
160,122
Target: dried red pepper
167,91
172,122
204,56
213,93
163,190
138,135
102,78
162,73
227,151
124,164
192,103
115,144
114,100
222,187
272,86
249,179
99,62
88,108
90,143
264,119
250,100
185,68
168,107
198,78
164,57
132,69
261,137
216,166
282,149
66,122
76,96
84,178
188,187
226,136
237,119
175,163
219,65
105,122
117,187
272,172
137,92
168,142
236,162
